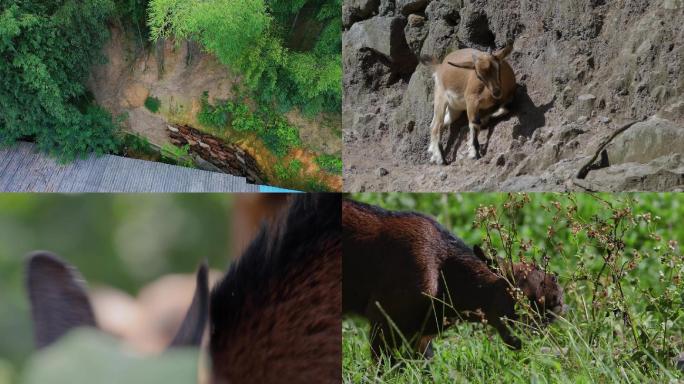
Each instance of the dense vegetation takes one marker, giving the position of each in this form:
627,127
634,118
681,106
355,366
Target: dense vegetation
289,52
120,241
619,260
47,48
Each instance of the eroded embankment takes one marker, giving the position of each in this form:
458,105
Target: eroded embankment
176,75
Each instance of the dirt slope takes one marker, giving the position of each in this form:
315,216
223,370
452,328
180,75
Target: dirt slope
585,68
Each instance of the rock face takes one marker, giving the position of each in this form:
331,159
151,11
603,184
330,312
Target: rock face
584,68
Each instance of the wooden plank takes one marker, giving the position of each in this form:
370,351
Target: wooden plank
15,170
36,175
84,176
23,170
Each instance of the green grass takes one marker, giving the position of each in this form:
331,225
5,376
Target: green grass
636,238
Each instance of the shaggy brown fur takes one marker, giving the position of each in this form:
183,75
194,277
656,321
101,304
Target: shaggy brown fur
276,317
404,266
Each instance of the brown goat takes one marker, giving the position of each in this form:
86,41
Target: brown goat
472,81
403,271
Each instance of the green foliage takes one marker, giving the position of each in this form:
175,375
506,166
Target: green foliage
136,146
619,260
330,163
289,172
152,104
249,36
47,50
315,185
84,354
177,155
280,137
133,13
277,134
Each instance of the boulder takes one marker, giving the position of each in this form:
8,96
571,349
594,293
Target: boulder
662,174
416,31
357,10
645,141
411,6
385,36
410,125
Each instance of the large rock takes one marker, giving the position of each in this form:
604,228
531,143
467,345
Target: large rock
357,10
385,36
410,126
416,31
663,174
411,6
646,141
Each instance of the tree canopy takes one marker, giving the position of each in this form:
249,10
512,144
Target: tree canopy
48,48
254,38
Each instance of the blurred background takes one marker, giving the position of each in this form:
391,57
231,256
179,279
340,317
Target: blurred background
138,254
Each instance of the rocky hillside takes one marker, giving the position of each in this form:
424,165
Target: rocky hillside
585,69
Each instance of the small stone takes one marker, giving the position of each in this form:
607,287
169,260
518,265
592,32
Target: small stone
604,119
172,129
501,160
416,20
382,172
443,176
203,145
585,104
582,119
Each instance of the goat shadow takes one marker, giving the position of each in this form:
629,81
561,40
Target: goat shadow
530,118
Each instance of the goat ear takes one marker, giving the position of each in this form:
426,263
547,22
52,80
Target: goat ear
464,65
505,51
192,328
58,297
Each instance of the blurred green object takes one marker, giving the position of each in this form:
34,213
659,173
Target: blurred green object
122,241
87,356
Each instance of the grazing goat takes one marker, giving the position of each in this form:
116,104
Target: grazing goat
404,272
276,316
472,81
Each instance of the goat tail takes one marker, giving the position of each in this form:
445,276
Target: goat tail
430,61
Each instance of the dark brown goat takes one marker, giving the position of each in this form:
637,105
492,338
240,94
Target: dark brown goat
404,267
276,316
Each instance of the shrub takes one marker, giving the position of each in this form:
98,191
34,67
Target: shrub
330,163
289,172
280,137
277,134
47,49
152,104
177,155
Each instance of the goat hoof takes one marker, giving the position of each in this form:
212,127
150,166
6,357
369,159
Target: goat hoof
436,159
